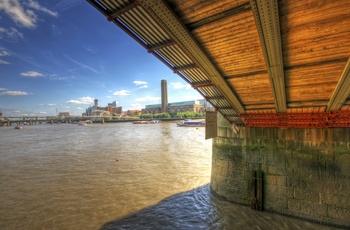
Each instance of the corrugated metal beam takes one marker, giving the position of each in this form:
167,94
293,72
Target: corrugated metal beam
341,91
216,98
203,84
160,46
267,23
116,14
182,68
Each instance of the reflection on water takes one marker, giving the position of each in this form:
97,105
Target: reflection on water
67,177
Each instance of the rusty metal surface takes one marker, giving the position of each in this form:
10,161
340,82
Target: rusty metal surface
333,119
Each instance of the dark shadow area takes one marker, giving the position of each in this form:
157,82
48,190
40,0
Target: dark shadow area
201,209
187,210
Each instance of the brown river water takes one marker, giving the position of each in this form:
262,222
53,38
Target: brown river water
65,176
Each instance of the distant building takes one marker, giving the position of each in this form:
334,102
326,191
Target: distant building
197,106
133,112
96,110
63,114
99,113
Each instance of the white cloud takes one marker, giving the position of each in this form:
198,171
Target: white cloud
14,93
81,101
18,14
51,104
55,30
83,66
147,98
79,108
122,93
4,53
56,77
2,89
64,5
136,106
32,74
12,33
179,85
22,16
141,84
4,62
35,5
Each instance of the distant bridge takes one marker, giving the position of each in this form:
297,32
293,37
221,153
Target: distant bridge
49,119
32,120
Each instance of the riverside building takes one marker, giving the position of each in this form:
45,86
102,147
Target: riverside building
96,110
197,106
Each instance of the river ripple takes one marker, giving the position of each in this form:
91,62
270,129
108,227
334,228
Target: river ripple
66,177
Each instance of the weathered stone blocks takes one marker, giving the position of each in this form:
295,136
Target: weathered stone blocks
306,173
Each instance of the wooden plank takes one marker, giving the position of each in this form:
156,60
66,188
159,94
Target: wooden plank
195,10
327,74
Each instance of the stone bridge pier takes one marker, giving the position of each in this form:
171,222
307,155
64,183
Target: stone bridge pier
305,172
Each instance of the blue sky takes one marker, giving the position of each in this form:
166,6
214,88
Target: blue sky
58,56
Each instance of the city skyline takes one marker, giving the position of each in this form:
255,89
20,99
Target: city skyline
60,56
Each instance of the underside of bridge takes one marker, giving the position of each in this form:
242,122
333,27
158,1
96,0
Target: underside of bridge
278,72
260,63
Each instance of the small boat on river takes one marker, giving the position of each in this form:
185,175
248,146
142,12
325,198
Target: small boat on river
18,127
146,122
82,123
191,123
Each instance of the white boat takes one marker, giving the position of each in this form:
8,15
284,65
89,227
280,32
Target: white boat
82,123
18,127
146,121
191,123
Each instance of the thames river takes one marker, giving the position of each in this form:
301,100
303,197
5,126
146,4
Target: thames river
117,176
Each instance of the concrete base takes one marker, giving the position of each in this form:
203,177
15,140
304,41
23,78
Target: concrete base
306,172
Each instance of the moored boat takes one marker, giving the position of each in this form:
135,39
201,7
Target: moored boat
191,123
82,123
146,122
18,127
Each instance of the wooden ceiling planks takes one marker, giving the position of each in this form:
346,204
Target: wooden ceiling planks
253,90
192,11
314,31
312,83
233,44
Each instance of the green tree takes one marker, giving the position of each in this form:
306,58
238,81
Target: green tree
146,116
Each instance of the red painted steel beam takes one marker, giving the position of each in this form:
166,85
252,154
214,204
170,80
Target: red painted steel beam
332,119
